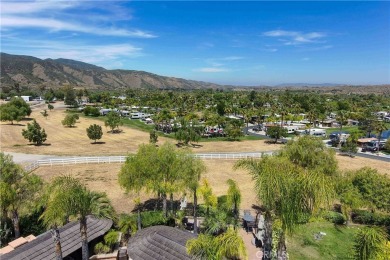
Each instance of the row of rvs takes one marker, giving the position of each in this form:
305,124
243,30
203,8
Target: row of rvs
125,113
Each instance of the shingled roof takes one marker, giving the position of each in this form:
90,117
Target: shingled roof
42,247
159,242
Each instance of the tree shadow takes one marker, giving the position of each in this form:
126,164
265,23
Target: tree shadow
15,124
39,144
27,119
155,204
98,143
117,131
196,145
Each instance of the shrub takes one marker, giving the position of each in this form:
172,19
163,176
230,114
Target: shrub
152,218
101,248
369,218
335,217
111,238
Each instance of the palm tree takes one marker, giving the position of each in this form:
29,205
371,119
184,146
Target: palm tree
370,243
380,127
288,193
72,198
192,173
210,200
228,245
233,197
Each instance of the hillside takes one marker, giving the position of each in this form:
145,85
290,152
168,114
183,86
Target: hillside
30,71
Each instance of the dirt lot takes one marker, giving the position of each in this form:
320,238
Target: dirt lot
103,177
74,141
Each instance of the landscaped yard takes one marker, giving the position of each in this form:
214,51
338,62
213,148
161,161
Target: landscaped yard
306,244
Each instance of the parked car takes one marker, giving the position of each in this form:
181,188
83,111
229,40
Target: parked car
373,146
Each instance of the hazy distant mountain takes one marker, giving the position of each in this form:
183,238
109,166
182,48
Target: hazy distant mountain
308,85
31,71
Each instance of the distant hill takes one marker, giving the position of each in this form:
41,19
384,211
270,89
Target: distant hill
31,71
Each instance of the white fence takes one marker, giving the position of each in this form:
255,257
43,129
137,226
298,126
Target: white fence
122,159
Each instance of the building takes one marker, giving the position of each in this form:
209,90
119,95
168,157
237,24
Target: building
42,246
159,242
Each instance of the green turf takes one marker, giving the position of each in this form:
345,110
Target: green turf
336,244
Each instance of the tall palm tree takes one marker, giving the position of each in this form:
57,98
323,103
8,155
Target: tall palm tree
233,197
192,173
77,201
288,193
380,127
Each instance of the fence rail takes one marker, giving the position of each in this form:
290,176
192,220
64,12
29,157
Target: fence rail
122,159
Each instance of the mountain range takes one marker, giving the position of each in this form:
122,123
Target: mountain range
31,72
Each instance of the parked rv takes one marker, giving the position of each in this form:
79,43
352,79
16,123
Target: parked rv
316,132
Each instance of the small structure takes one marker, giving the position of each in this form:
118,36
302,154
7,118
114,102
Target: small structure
26,98
159,242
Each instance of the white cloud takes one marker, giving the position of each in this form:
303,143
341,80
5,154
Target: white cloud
211,70
295,37
24,7
57,25
232,58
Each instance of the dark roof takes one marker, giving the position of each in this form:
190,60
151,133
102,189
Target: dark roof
42,247
159,242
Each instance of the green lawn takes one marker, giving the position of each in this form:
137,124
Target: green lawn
336,244
345,128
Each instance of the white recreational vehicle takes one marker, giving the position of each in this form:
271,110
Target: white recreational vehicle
316,132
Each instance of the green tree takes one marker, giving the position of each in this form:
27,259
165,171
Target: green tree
15,110
153,137
70,120
192,173
113,120
290,188
135,174
228,245
50,107
70,97
276,132
210,200
370,243
91,111
94,132
188,131
45,114
34,133
71,198
19,190
234,129
233,198
379,127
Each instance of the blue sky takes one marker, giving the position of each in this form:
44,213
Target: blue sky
239,43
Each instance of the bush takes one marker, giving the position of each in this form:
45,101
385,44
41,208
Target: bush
335,217
369,218
101,248
152,218
91,111
111,238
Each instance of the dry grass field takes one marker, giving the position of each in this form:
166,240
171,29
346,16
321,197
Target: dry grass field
103,177
74,141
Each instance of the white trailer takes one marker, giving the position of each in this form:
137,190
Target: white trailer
316,132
